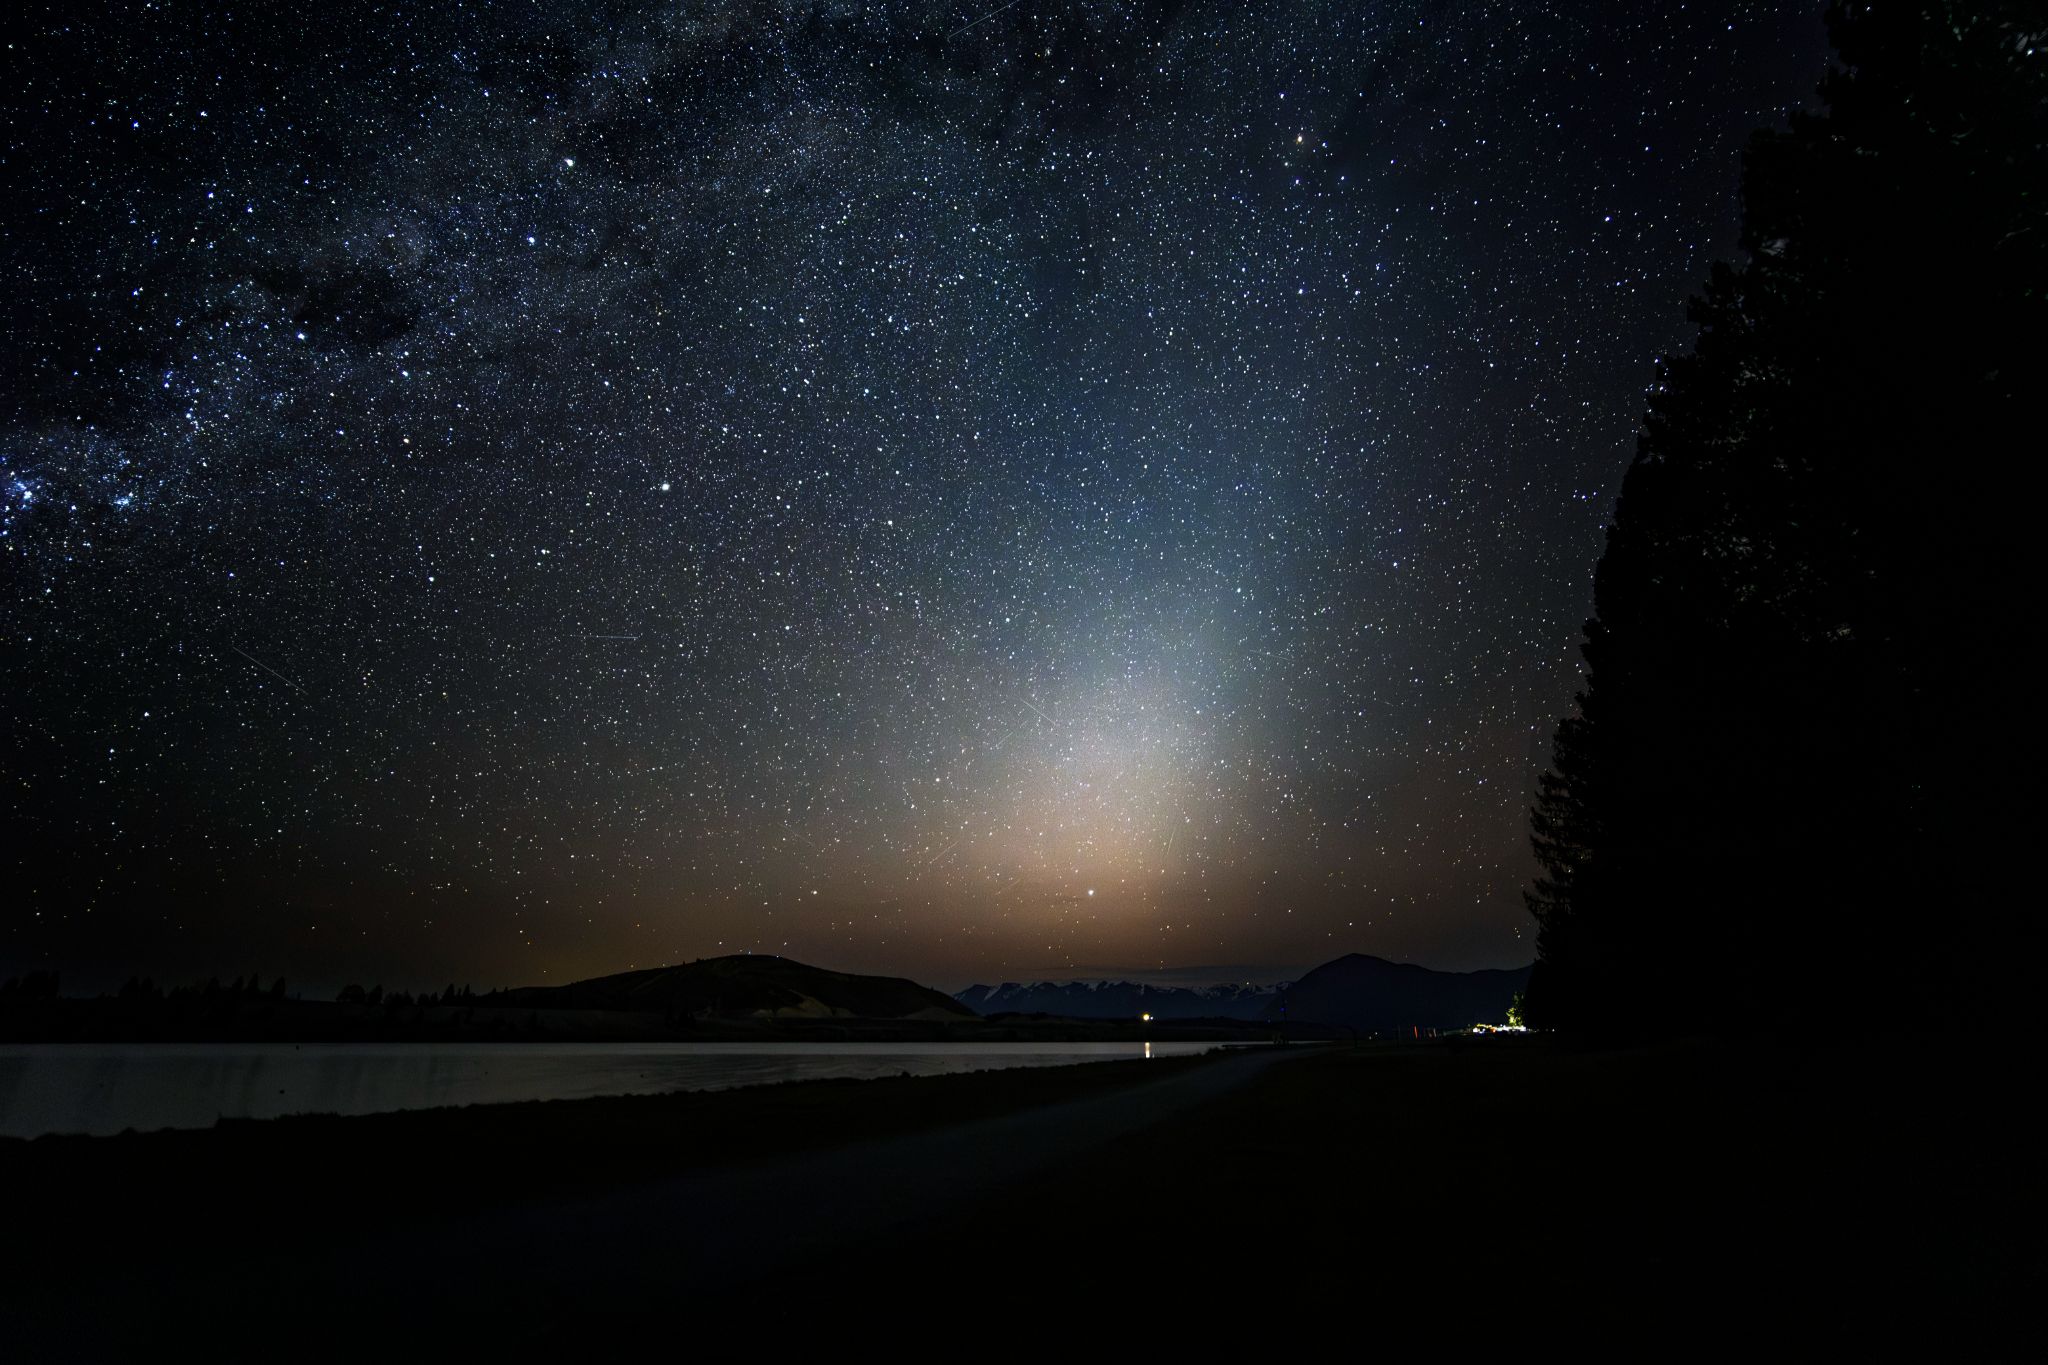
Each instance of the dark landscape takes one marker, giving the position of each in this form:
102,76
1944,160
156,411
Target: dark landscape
766,997
642,646
1455,1193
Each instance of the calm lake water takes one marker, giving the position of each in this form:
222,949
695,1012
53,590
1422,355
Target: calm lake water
106,1088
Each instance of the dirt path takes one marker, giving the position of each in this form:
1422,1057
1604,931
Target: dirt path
712,1229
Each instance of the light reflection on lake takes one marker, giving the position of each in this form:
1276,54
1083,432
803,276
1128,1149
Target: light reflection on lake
105,1088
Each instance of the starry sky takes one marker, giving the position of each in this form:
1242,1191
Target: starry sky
516,491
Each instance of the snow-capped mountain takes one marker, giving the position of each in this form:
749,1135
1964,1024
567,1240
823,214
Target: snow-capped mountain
1120,1000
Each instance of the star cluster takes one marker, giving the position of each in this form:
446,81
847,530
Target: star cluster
523,490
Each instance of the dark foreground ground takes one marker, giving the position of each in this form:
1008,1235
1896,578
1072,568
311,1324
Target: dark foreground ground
1461,1198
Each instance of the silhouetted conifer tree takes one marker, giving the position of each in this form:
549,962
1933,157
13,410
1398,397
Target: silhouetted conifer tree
1796,773
30,986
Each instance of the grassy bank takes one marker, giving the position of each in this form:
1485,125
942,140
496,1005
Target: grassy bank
437,1160
1640,1201
1637,1201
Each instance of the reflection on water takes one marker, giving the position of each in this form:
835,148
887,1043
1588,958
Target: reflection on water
101,1088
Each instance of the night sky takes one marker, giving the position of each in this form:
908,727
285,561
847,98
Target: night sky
511,492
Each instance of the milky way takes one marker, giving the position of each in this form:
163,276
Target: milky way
519,491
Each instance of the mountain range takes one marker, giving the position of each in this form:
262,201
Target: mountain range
1119,1000
1357,991
760,996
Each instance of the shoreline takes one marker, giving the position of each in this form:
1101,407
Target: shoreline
1466,1180
113,1021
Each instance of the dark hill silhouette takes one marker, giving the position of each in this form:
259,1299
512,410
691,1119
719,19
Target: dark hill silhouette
1377,996
744,986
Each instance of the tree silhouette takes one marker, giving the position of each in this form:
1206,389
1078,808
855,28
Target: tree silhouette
1780,780
30,986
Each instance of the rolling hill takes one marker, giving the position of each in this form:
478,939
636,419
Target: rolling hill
744,986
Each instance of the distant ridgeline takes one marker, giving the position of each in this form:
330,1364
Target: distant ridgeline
1119,1000
750,996
1359,992
1374,995
745,985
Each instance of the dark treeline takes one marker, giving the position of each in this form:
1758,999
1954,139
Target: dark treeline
33,1008
29,986
376,995
144,988
44,985
1798,778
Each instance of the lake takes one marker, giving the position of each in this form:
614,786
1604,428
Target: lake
107,1088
